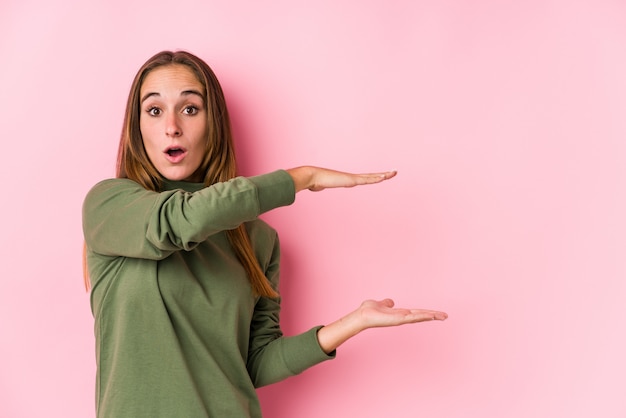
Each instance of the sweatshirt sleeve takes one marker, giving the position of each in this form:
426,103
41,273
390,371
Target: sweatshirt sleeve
121,218
273,357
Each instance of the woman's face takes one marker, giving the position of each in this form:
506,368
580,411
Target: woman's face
173,121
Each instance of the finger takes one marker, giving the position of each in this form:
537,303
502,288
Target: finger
387,302
428,315
440,316
390,174
436,315
372,178
385,175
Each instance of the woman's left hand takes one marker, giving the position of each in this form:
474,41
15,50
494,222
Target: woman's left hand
372,314
383,314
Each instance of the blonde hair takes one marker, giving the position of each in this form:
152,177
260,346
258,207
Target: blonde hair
219,163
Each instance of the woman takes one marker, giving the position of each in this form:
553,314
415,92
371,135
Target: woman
184,277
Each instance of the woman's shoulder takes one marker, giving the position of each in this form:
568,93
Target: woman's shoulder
262,234
112,190
258,229
264,239
113,185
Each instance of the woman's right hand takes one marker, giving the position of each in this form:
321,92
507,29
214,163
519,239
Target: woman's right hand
317,179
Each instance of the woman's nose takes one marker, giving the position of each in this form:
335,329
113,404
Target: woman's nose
172,127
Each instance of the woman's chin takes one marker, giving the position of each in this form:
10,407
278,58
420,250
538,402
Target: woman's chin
181,175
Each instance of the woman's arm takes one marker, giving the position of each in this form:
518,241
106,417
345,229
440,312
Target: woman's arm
121,218
371,314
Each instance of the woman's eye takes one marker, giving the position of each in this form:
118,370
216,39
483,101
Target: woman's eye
154,111
190,110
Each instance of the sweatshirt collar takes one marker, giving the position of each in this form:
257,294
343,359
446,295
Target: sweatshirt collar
182,185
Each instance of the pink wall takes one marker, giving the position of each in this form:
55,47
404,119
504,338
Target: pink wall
505,120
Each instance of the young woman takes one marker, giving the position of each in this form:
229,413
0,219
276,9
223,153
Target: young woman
184,277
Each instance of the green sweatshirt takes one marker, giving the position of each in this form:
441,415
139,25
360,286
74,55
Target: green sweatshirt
178,330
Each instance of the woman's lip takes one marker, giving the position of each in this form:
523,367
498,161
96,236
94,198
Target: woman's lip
177,157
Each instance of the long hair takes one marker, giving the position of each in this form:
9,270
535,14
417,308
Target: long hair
219,163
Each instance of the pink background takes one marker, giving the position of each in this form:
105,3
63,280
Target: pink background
505,119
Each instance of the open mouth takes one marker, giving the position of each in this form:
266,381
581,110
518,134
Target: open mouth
175,152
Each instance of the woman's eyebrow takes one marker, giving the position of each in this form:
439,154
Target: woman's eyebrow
188,92
193,92
147,95
182,93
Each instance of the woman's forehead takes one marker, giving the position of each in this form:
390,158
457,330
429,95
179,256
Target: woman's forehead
170,78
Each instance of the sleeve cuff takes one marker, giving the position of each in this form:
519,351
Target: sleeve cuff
304,351
274,190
